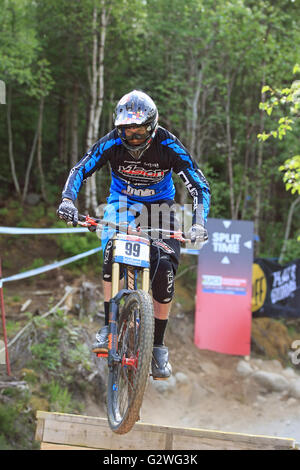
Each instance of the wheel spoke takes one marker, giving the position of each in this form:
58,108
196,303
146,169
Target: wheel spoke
126,375
127,379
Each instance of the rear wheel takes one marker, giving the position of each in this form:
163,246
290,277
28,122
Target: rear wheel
127,380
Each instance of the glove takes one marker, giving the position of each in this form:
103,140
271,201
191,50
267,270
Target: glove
198,232
67,211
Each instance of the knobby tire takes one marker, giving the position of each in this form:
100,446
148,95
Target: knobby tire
126,385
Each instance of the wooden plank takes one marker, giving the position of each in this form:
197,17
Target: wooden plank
94,432
205,443
100,437
39,432
50,446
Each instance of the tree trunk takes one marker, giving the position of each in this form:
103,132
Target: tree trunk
93,90
288,227
97,94
29,164
245,178
100,97
195,105
229,145
259,164
10,144
74,125
39,148
62,130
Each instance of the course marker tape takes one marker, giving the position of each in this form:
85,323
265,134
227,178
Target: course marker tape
20,230
48,267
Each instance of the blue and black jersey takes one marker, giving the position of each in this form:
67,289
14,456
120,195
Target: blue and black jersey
147,179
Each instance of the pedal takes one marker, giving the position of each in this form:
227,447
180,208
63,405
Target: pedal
102,354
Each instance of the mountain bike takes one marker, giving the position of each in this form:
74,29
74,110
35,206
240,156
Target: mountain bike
131,325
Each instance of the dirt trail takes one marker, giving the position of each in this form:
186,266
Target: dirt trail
206,391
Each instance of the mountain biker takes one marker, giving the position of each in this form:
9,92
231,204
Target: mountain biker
142,156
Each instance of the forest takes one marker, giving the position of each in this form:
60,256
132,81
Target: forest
222,73
225,76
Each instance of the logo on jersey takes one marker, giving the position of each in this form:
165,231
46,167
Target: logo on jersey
193,191
138,192
163,246
142,174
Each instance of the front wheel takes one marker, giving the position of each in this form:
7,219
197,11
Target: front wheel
127,379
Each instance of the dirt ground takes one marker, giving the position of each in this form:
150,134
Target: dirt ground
205,390
216,397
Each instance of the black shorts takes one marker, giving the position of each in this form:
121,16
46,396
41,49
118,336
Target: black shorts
164,259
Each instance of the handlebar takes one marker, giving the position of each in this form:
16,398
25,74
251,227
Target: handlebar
87,221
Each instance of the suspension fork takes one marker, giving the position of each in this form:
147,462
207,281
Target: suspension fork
114,303
113,355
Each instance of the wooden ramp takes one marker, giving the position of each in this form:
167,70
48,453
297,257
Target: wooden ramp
59,431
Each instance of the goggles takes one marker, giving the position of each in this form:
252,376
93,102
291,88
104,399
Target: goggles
135,132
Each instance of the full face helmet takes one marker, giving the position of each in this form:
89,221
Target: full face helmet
133,110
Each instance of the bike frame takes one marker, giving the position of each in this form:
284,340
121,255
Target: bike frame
131,329
131,273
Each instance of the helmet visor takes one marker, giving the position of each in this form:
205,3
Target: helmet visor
129,117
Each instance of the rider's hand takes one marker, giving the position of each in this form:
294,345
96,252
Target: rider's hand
198,232
67,211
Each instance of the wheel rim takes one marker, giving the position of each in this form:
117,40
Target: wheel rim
124,373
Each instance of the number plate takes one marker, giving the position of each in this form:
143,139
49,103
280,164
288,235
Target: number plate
132,250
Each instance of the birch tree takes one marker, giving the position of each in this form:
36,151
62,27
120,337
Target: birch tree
96,85
39,89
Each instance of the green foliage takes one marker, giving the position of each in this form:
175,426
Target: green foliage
57,355
18,40
291,177
8,416
284,98
219,193
4,445
73,244
292,250
59,345
80,354
59,397
205,74
37,263
12,327
46,355
17,423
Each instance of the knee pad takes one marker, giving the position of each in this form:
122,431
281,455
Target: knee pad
163,281
107,263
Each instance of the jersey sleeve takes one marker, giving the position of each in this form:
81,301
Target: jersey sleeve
192,177
93,160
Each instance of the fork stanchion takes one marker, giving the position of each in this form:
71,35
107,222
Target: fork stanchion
146,279
3,322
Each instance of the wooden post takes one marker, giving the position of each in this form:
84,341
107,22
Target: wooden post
3,322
